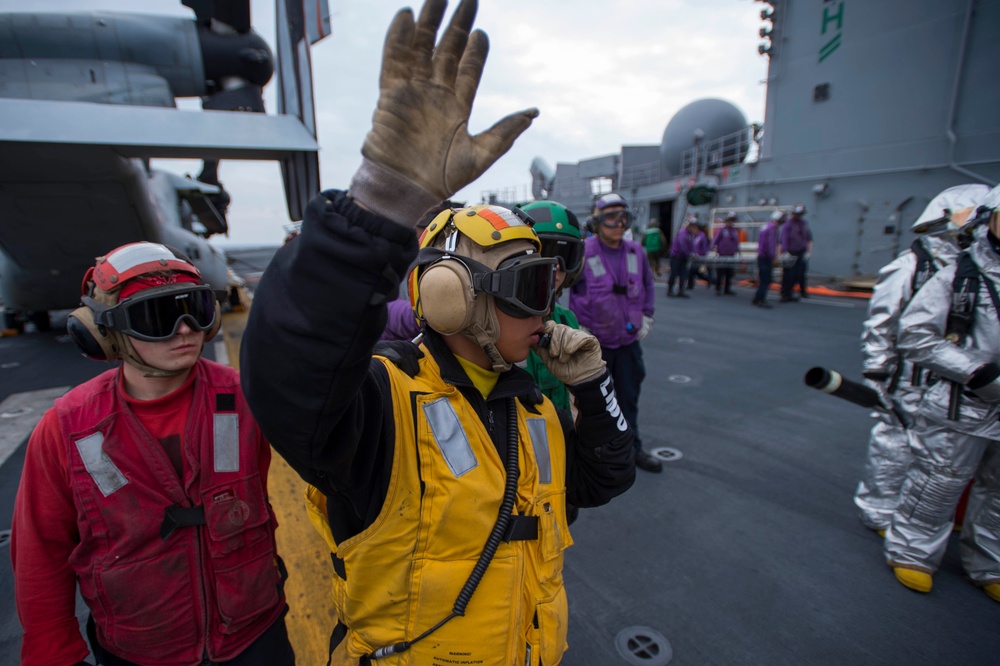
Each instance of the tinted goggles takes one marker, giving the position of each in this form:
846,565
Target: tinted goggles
569,251
155,314
523,286
616,218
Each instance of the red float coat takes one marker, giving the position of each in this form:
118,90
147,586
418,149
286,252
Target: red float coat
92,499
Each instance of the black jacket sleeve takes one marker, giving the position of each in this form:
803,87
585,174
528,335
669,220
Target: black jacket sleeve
600,453
306,357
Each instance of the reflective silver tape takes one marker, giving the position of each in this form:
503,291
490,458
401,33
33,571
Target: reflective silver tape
450,436
227,443
104,473
596,266
632,263
540,443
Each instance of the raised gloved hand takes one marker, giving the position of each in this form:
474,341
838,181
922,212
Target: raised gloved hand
647,326
572,356
420,126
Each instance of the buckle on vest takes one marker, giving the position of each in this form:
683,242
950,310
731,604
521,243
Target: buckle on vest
521,528
179,516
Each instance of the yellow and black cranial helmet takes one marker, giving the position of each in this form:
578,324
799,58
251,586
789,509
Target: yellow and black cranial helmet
472,259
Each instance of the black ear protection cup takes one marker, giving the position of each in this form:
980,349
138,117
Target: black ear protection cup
88,336
447,298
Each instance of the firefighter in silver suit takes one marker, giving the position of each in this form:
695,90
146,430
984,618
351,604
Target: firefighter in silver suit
896,380
951,328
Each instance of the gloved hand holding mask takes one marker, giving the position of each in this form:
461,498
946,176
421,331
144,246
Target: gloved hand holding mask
572,356
419,150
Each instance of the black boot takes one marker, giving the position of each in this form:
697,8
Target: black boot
647,462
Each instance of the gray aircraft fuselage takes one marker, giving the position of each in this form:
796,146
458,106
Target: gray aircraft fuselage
86,99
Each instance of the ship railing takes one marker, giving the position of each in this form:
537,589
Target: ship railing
638,175
727,150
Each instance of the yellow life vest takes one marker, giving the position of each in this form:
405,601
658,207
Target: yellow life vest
404,572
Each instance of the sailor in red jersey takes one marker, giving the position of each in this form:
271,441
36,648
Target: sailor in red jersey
147,486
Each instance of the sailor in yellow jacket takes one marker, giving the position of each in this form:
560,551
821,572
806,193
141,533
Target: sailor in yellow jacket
440,473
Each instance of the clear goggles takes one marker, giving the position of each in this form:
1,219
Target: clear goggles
616,218
569,251
155,314
523,286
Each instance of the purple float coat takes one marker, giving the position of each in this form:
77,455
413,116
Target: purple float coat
727,241
682,245
700,245
402,323
795,235
767,242
609,315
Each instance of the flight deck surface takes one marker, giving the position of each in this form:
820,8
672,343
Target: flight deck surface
746,549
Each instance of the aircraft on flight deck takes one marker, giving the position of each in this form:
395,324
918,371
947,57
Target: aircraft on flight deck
88,98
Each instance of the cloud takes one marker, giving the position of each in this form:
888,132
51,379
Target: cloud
603,75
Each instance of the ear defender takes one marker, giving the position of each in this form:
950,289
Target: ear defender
447,298
88,336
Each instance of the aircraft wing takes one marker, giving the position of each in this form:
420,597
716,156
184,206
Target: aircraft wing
143,132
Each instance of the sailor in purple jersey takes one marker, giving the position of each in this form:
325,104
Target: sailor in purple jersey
614,300
727,244
796,239
699,250
767,251
680,252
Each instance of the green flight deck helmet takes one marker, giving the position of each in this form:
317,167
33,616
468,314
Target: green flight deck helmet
559,231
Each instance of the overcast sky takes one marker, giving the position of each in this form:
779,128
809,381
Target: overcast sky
603,74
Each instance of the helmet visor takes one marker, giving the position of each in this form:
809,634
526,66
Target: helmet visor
569,251
523,286
155,314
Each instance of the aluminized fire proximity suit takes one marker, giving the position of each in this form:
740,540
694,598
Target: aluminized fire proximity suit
895,378
888,453
948,453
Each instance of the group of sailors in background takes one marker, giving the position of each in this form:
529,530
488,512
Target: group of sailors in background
785,240
931,347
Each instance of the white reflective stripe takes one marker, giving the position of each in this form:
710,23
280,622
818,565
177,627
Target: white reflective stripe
450,436
221,353
135,255
540,443
596,266
104,473
632,263
226,442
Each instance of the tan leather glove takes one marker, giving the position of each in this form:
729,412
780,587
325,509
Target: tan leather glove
420,126
572,356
